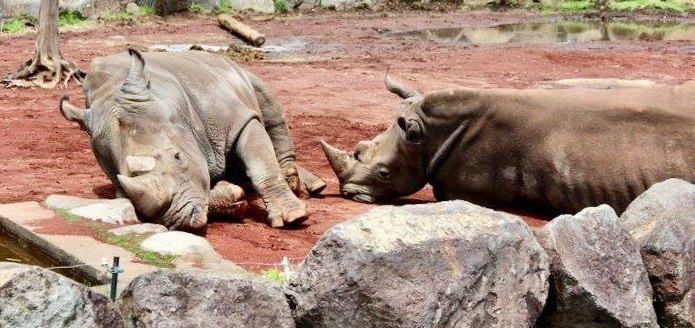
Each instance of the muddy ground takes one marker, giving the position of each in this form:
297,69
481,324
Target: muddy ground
331,88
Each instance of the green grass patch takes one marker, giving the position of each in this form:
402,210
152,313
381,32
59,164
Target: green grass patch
199,9
147,10
224,7
15,25
131,242
70,18
569,6
274,275
639,5
281,6
65,214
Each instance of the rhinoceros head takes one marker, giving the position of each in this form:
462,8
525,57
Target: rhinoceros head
159,166
389,166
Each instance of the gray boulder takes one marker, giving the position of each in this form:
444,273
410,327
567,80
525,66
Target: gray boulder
259,6
662,221
597,276
197,298
449,264
34,297
347,4
13,8
164,7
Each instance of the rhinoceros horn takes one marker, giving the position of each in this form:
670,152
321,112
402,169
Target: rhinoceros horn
399,89
148,194
140,164
136,86
340,160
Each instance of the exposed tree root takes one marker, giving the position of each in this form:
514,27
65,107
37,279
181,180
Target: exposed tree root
45,72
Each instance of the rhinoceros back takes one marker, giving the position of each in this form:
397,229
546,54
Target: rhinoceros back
206,93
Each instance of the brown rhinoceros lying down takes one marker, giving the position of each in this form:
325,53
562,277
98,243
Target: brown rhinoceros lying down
552,150
167,126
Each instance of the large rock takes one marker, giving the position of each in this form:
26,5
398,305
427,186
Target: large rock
34,297
597,276
13,8
450,264
196,298
662,221
259,6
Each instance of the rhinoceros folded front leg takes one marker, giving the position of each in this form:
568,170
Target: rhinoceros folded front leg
256,151
227,200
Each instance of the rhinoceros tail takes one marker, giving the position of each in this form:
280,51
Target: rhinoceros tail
70,112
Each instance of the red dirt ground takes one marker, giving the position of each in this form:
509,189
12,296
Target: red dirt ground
338,96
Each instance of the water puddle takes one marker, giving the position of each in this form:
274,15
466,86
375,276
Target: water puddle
555,32
273,49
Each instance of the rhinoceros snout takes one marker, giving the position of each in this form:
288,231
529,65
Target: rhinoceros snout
199,218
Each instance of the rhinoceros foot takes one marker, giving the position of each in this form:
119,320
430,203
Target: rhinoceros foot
283,212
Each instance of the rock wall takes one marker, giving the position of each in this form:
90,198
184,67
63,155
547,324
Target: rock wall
448,264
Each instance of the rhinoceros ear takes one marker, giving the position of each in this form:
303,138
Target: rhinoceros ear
136,86
398,88
72,113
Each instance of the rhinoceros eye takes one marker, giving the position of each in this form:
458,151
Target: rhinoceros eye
177,156
383,173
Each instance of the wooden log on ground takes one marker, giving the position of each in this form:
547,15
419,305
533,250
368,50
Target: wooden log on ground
246,32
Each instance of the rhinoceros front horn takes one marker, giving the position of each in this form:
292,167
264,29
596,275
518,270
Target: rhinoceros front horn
399,89
338,159
149,194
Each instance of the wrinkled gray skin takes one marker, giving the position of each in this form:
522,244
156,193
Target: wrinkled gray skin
165,127
551,150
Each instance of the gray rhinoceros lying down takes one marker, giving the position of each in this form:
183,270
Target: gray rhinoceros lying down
166,126
552,150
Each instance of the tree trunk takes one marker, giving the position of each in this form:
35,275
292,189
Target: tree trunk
47,68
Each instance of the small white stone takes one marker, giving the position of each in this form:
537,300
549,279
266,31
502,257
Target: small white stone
132,8
139,229
176,243
115,211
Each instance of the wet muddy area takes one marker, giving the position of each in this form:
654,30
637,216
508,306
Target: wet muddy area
331,87
553,32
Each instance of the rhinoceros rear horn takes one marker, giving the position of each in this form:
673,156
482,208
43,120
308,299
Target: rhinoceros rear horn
338,159
149,195
399,89
136,86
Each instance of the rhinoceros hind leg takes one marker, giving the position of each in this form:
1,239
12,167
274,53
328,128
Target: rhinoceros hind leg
256,151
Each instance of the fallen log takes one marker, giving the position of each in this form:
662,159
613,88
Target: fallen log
246,32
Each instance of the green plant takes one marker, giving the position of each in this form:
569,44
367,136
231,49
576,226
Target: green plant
281,6
274,275
146,9
14,25
70,18
198,9
636,5
65,214
224,7
131,242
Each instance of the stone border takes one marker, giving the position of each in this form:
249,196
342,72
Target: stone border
18,219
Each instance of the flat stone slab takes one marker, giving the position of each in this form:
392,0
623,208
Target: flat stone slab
21,220
115,211
139,229
65,202
176,243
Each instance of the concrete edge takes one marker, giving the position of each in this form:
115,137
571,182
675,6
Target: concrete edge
54,256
